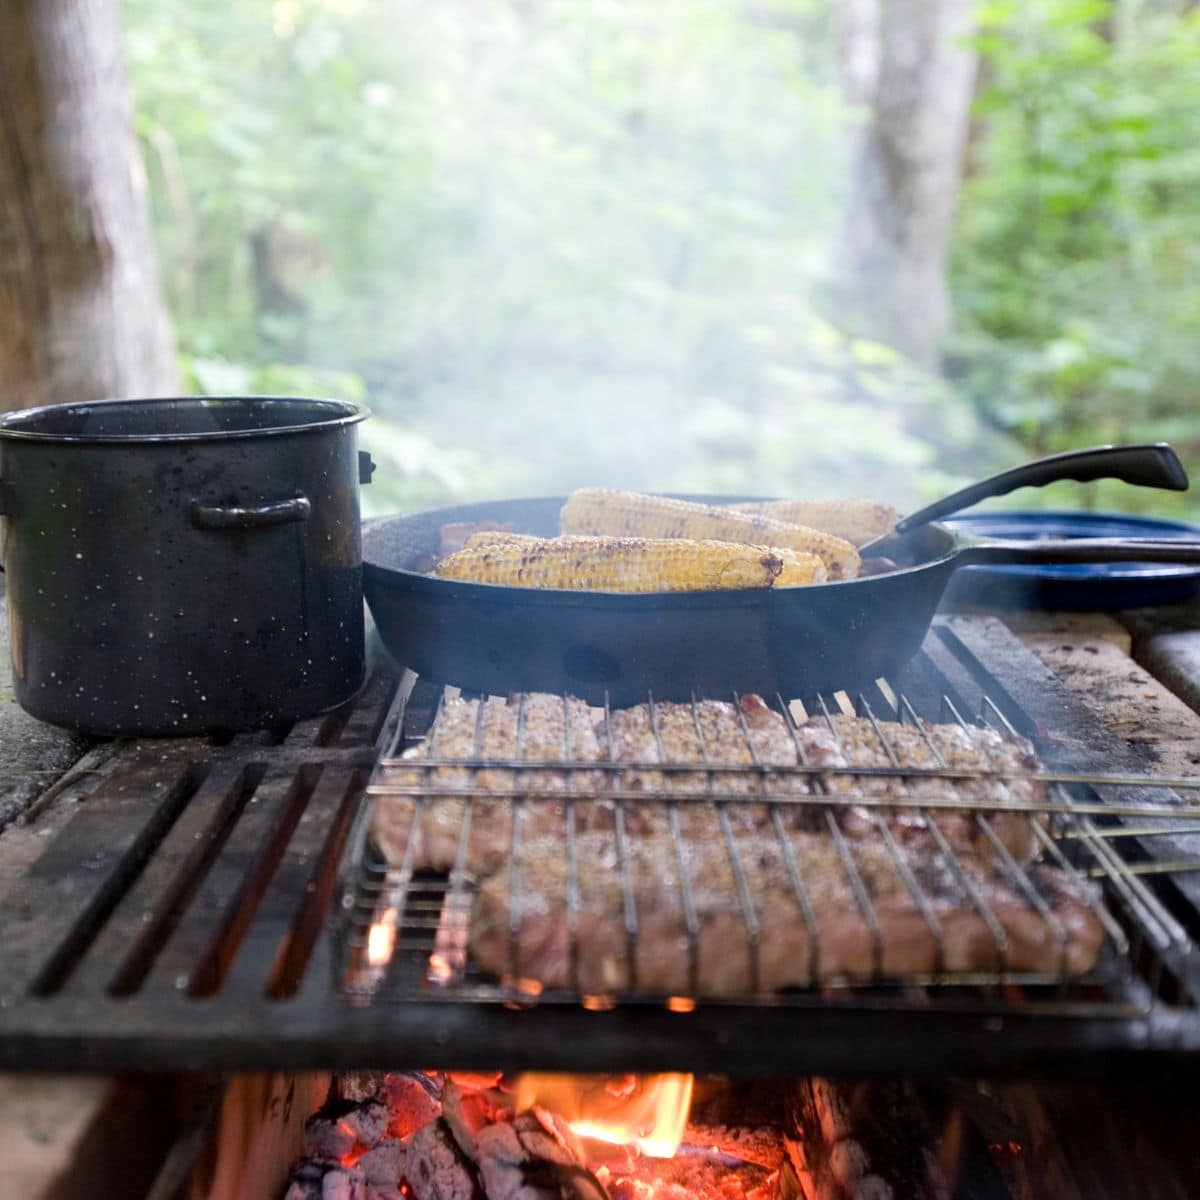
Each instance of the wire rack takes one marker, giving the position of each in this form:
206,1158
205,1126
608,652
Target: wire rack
406,925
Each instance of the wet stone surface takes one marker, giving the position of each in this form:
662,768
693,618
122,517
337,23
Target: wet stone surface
32,753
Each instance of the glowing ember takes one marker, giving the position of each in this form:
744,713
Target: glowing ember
440,970
381,939
647,1111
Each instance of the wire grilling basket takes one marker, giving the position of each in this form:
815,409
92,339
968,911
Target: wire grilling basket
733,877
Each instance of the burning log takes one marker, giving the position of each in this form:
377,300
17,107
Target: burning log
467,1113
863,1142
521,1161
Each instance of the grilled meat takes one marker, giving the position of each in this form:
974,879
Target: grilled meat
544,728
537,728
587,943
927,909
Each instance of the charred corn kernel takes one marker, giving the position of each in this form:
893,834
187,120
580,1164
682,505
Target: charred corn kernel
855,520
631,514
799,569
615,564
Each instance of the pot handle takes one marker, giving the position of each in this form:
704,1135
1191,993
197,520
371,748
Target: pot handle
259,516
366,467
990,552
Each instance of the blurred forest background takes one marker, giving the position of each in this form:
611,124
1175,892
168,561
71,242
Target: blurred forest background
638,242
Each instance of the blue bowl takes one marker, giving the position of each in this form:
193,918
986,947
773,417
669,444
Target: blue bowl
1075,586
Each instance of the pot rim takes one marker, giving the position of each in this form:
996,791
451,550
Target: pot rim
341,412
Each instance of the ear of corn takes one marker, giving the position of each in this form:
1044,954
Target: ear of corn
631,514
624,564
855,520
799,569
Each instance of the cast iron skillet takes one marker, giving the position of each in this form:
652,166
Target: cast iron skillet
795,641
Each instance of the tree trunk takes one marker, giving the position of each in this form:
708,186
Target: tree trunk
81,314
892,262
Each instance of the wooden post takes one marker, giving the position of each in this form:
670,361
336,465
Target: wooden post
81,313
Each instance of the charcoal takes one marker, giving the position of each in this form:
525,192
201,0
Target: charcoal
358,1086
345,1183
436,1168
326,1136
510,1171
384,1163
384,1191
501,1165
341,1125
320,1179
412,1099
370,1122
466,1113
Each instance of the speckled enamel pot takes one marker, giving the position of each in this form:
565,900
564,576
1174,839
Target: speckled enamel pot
179,566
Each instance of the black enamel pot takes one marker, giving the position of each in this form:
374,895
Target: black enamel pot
179,566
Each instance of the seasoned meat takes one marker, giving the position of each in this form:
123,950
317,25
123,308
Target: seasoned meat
841,943
970,749
539,727
536,727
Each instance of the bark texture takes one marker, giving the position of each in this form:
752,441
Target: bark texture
81,313
916,73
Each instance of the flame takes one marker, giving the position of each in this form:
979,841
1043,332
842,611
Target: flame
648,1111
381,939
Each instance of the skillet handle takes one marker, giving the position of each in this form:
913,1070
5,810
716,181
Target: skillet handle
989,552
1152,464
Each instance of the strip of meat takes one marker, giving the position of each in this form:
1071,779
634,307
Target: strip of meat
969,749
535,727
841,944
541,728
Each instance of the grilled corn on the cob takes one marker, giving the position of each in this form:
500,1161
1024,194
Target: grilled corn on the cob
631,514
855,520
625,564
799,570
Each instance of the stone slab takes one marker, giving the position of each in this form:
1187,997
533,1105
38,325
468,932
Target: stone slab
1166,641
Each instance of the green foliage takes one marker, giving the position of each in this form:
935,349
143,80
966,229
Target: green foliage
1078,255
578,243
552,243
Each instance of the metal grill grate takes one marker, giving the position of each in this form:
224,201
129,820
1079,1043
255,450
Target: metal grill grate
407,928
182,909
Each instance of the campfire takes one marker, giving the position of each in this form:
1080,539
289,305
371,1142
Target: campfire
433,1136
436,1136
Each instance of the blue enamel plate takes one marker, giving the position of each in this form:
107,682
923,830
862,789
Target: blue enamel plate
1081,585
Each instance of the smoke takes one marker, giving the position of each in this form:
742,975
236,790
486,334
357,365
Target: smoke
632,211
